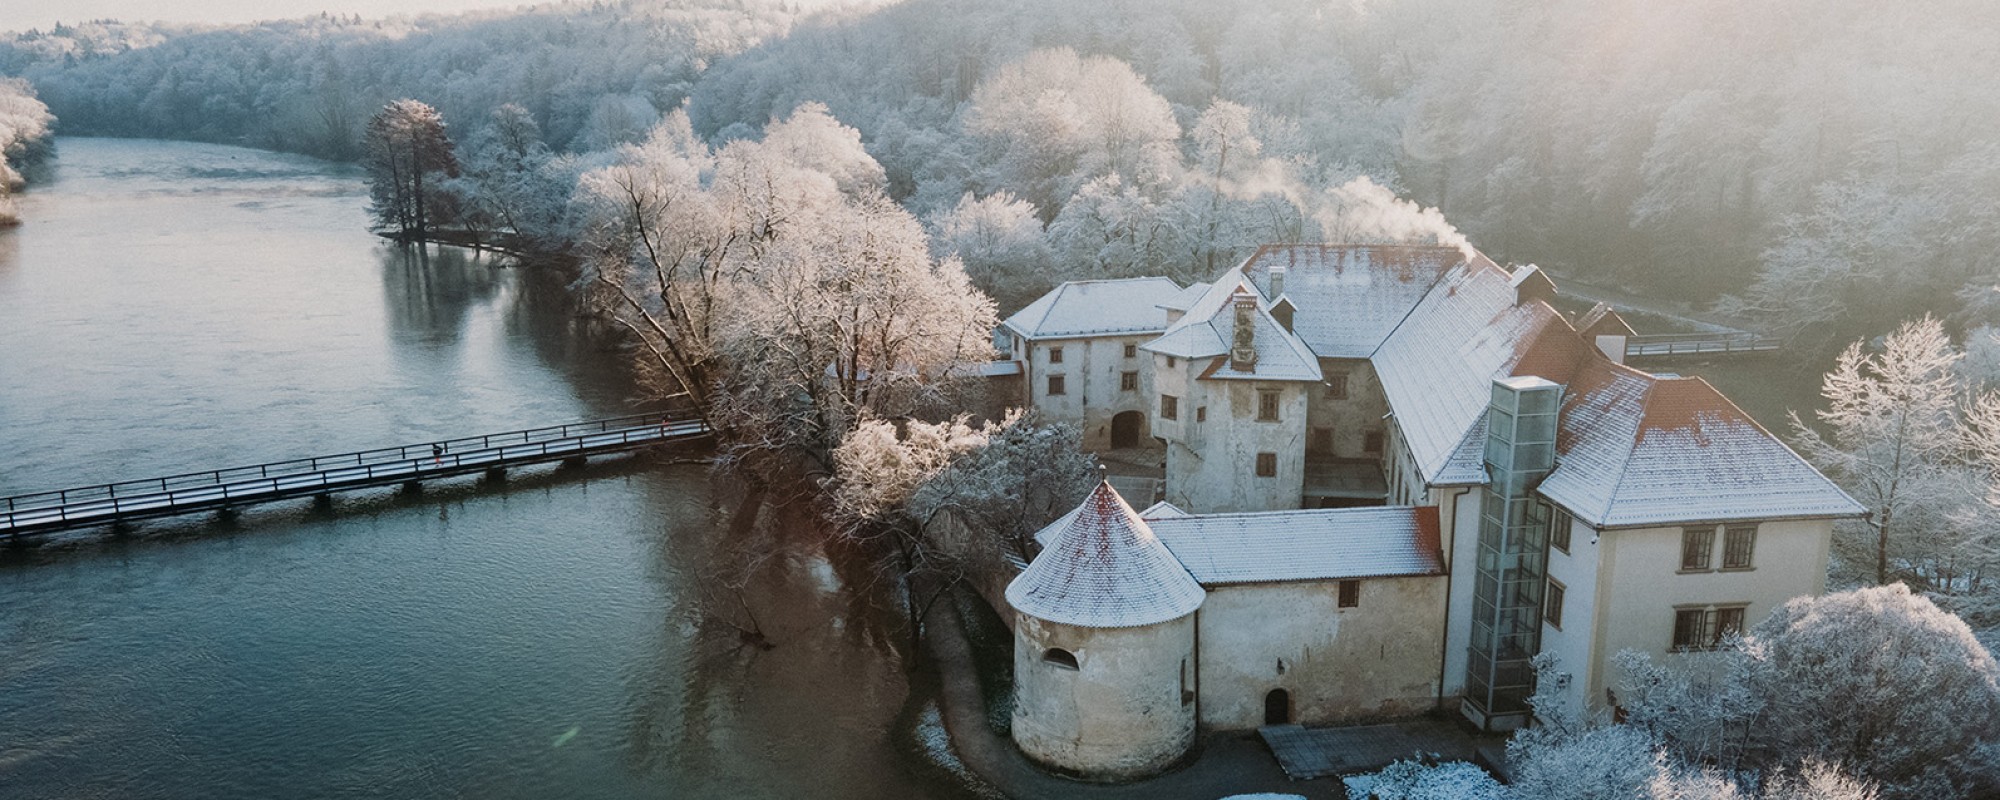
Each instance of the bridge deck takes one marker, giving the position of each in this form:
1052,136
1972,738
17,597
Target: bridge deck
1691,344
46,512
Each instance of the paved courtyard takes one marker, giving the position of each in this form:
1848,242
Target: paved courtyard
1307,753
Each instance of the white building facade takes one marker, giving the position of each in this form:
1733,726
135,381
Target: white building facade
1582,506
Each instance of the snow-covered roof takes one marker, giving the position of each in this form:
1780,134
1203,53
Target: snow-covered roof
1209,326
1438,366
1637,449
1162,510
1329,544
1104,568
1186,298
1350,296
1090,308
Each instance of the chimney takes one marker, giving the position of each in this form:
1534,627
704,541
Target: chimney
1278,281
1243,352
1531,283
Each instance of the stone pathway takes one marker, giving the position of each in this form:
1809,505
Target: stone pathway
1320,752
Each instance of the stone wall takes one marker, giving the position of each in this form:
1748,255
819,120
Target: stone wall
1093,393
1125,711
1350,418
1211,465
1379,658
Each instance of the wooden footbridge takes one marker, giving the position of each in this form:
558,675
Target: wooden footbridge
321,476
1698,344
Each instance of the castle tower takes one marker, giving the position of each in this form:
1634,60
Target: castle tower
1104,636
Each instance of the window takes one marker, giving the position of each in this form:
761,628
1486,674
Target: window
1201,413
1128,381
1738,542
1055,355
1171,362
1321,441
1170,407
1372,443
1559,525
1697,549
1267,465
1552,605
1704,628
1060,657
1350,594
1131,351
1691,629
1336,386
1729,622
1055,384
1267,405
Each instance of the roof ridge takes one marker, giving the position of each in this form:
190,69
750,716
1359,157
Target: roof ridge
1356,510
1054,300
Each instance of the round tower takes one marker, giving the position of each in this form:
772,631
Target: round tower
1104,646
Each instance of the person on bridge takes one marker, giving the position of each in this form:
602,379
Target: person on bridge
437,454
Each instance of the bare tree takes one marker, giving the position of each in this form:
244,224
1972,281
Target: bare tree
408,157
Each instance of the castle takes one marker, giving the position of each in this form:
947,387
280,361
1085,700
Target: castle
1393,475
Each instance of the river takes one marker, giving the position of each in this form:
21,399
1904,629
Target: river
170,307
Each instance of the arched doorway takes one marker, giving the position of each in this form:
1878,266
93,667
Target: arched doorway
1278,707
1126,427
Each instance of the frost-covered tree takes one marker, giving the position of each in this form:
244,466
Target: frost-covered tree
26,140
1885,683
774,283
1001,242
1891,436
954,499
513,185
1055,120
409,160
1026,474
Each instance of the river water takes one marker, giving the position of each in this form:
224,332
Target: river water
170,307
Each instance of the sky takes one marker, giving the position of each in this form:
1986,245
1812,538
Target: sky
16,15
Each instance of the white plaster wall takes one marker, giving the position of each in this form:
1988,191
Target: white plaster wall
1576,570
1215,471
1458,516
1092,368
1122,714
1640,583
1377,659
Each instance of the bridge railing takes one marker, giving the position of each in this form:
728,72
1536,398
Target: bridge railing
369,460
1678,344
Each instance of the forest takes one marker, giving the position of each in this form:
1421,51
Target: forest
821,210
1822,169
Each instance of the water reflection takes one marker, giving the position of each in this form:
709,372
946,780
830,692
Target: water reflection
175,305
429,291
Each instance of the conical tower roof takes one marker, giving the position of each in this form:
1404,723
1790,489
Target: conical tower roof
1104,568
